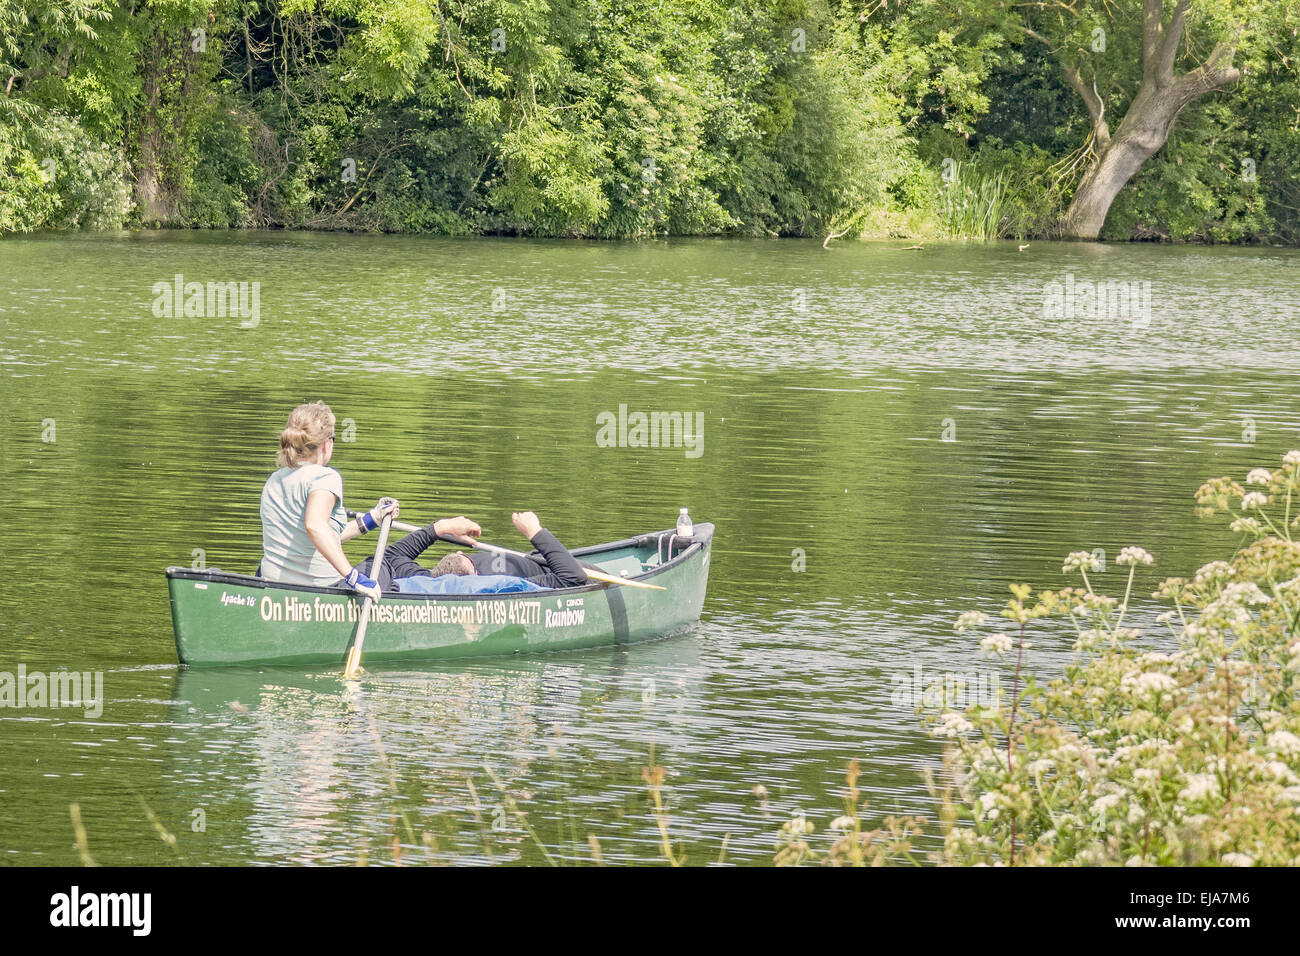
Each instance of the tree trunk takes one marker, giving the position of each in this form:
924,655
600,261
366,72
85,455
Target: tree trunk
165,67
1144,130
149,198
1150,117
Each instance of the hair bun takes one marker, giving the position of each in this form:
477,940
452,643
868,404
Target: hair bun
308,427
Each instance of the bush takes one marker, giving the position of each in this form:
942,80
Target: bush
53,175
1145,757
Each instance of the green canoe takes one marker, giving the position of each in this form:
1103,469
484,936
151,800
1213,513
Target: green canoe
230,619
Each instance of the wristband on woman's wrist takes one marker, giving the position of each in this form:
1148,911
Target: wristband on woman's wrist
361,526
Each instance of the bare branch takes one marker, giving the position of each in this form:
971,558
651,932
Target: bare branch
1214,74
1194,85
1169,45
1091,99
1029,31
1153,29
1221,49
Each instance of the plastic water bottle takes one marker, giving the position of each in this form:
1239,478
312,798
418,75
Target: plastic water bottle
684,526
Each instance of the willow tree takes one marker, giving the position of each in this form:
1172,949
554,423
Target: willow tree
1141,67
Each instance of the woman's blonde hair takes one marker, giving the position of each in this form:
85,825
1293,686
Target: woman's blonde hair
308,427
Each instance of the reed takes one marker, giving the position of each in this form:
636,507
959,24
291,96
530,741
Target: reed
971,206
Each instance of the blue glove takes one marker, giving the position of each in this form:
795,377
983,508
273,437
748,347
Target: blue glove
363,585
369,521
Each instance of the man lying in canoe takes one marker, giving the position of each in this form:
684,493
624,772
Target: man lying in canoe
401,572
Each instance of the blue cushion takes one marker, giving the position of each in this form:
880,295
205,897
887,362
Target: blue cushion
465,584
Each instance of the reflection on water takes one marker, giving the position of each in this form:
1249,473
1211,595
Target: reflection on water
901,449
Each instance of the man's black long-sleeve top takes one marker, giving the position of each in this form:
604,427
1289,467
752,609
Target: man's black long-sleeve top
561,570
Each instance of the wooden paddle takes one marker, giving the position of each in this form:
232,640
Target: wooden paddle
484,546
354,655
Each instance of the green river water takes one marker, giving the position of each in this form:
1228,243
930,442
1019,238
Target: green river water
472,373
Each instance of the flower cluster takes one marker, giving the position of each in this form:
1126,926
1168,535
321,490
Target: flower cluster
1133,757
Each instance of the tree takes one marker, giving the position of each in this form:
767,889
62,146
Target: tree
1162,93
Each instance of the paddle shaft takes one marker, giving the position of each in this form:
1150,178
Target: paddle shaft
354,655
594,575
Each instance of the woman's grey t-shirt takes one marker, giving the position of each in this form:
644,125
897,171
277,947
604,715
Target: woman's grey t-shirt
288,556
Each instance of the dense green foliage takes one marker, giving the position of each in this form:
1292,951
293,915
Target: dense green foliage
625,117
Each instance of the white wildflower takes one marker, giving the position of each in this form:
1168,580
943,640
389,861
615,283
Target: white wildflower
1102,804
1253,499
1199,786
798,825
998,642
1213,571
1080,560
842,823
1243,592
952,724
1238,859
1268,718
1148,682
1154,657
1259,476
1134,555
1089,639
970,619
1283,741
1291,458
1038,767
1280,771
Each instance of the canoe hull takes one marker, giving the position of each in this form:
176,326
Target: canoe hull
230,619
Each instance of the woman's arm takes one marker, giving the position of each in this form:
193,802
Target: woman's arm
317,522
386,506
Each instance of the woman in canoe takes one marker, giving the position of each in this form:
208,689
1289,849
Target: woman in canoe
304,523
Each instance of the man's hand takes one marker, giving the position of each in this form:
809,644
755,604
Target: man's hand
459,526
527,523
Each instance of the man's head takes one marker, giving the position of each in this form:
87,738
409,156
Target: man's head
455,563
